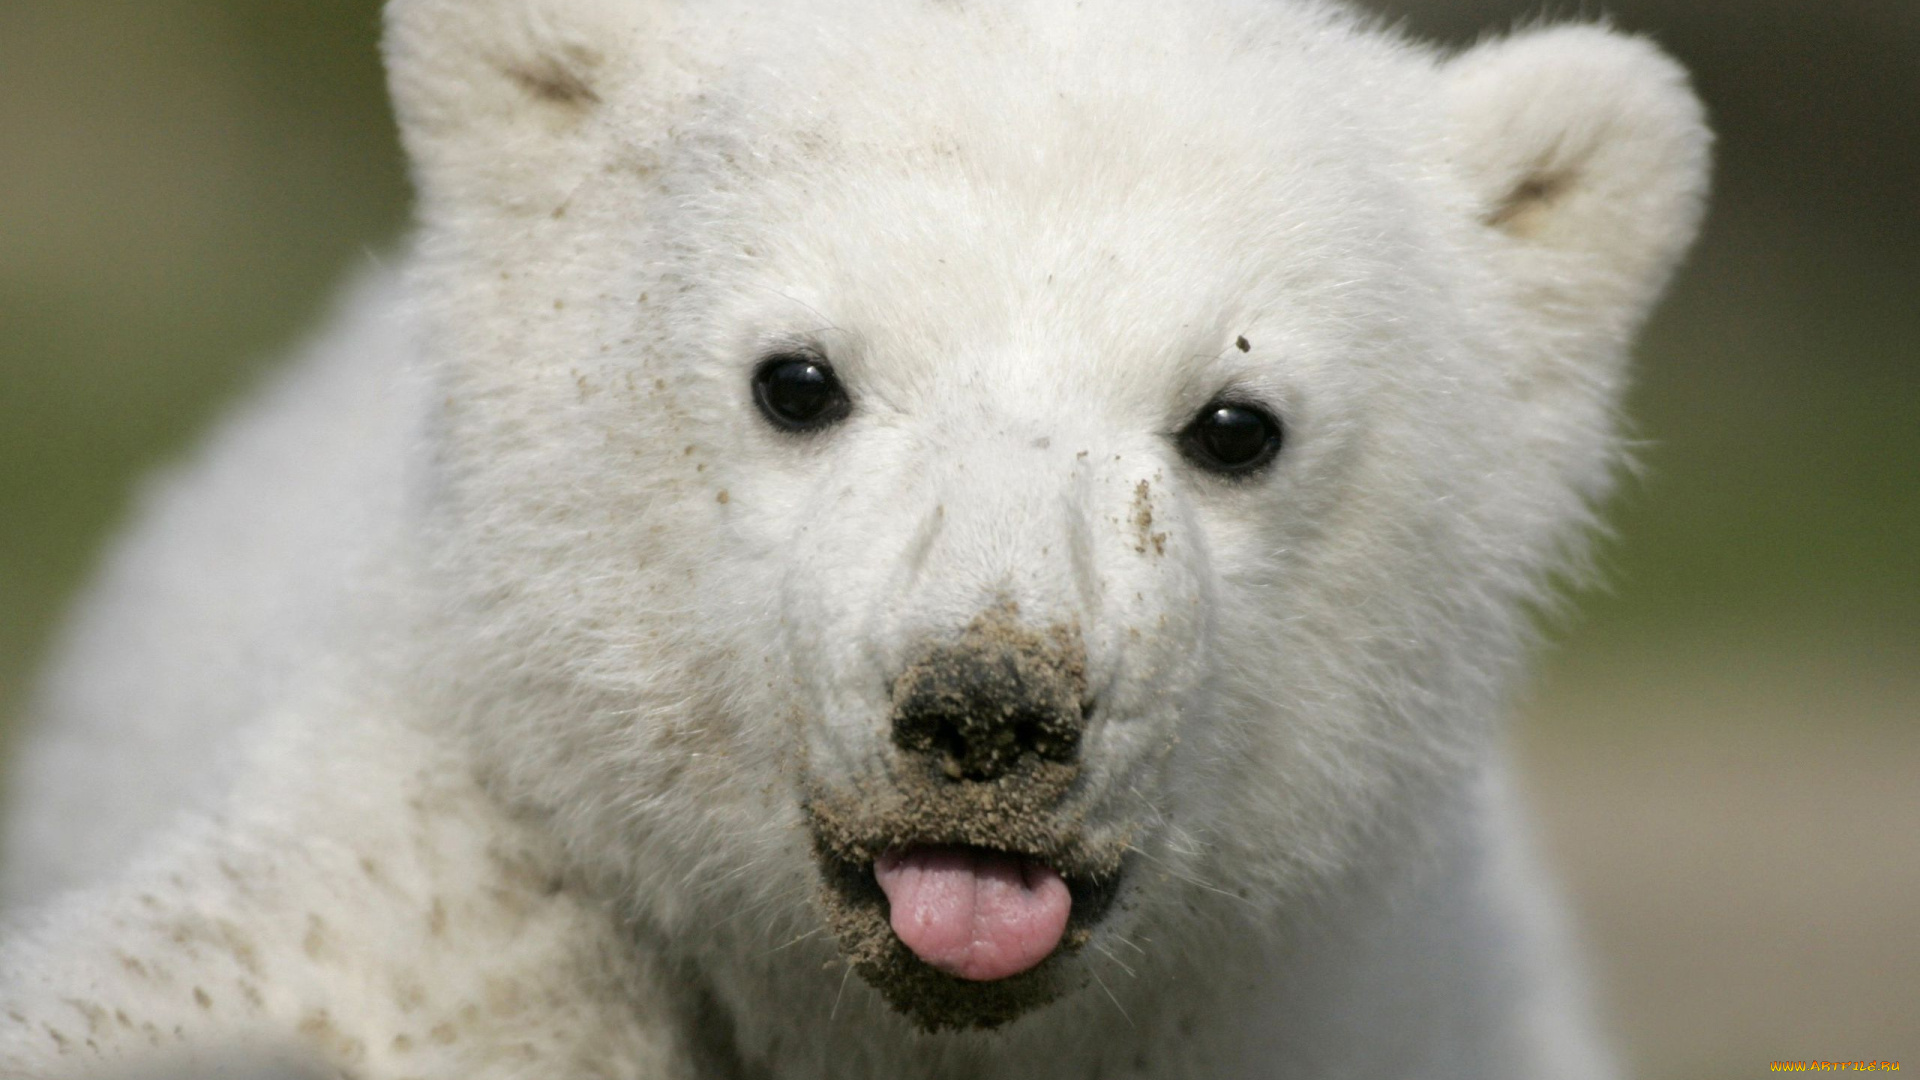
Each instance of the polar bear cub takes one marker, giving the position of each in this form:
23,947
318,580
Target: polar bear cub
870,539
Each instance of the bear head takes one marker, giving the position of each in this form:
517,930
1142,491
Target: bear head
1000,483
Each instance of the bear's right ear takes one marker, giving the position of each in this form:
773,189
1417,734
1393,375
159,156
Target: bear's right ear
1586,156
496,97
1583,156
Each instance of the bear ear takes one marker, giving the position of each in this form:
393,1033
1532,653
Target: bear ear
494,96
1585,156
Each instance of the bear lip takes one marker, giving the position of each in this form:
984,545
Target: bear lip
959,990
1021,820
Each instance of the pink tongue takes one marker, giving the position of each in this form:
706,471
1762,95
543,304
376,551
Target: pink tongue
976,914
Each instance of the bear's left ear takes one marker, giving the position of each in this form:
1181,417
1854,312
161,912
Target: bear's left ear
496,97
1585,156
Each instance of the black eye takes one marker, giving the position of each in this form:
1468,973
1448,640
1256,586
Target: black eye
798,392
1232,438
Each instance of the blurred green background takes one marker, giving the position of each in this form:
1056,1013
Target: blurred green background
1724,747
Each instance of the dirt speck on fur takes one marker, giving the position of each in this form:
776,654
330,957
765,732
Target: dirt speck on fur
1144,536
315,943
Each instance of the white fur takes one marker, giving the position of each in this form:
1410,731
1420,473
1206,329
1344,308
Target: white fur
521,632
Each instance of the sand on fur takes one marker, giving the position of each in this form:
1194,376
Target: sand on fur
992,769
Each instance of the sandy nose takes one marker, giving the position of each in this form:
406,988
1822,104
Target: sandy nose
975,707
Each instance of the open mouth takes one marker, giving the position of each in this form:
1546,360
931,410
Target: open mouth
959,929
974,913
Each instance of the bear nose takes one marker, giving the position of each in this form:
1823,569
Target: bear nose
977,707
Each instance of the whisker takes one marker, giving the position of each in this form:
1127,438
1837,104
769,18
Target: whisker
762,905
1110,997
1131,974
830,325
795,941
1195,882
1178,850
738,871
843,993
